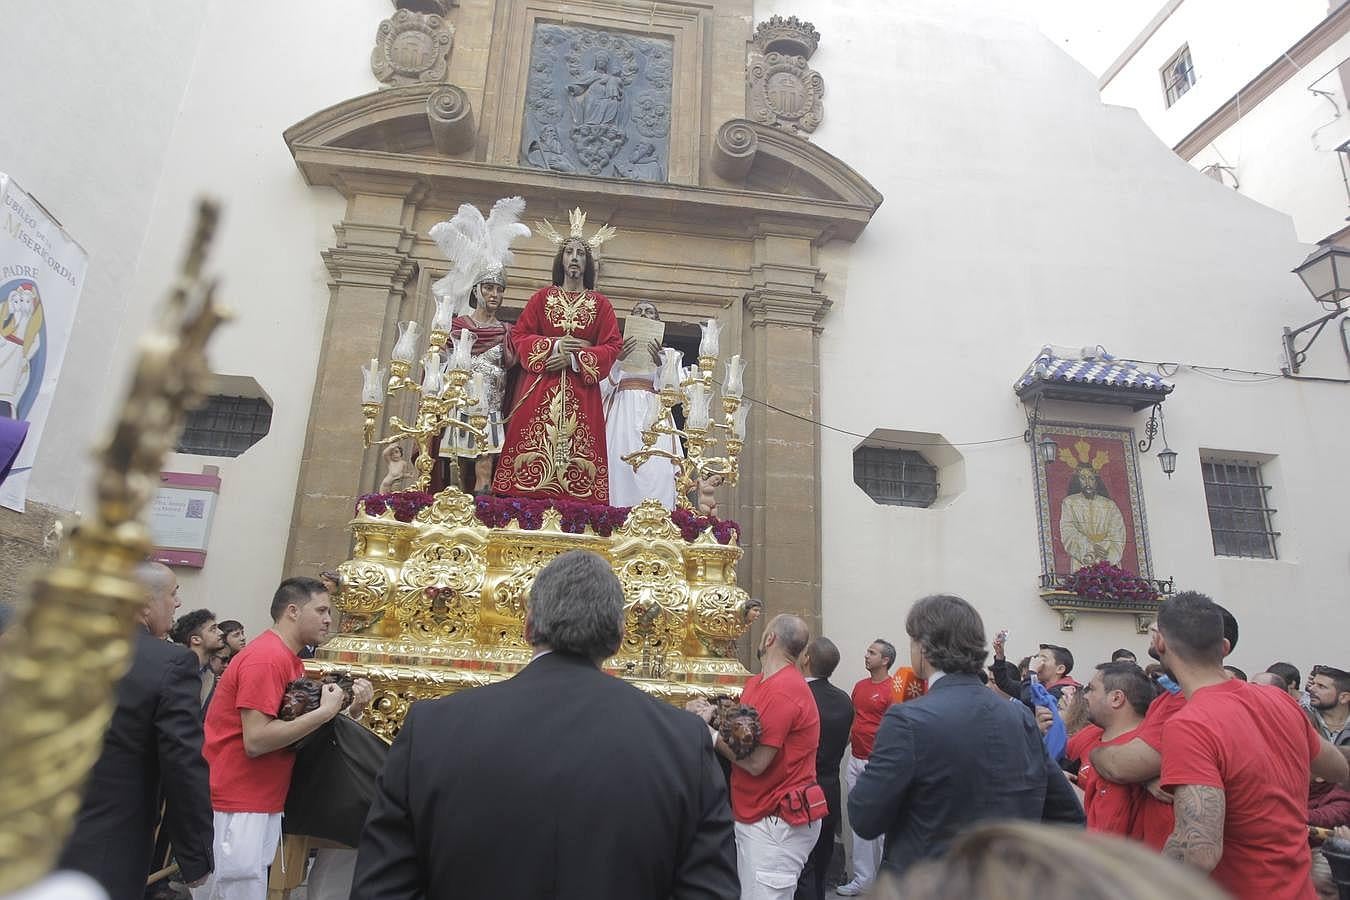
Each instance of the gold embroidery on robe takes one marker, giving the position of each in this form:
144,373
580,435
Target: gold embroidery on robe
555,424
569,312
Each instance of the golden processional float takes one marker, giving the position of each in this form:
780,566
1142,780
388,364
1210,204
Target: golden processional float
433,598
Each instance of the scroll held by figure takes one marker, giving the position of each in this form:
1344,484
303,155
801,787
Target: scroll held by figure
567,338
630,405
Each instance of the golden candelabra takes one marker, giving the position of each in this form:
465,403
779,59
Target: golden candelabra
693,389
450,398
75,641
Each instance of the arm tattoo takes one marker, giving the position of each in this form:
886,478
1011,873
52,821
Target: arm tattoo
1198,836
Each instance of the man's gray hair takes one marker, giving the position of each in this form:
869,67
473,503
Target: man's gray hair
792,633
155,577
576,606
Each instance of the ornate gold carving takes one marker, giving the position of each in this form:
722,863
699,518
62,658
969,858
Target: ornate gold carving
364,597
438,592
62,660
459,593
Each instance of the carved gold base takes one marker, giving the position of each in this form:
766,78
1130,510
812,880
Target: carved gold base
437,605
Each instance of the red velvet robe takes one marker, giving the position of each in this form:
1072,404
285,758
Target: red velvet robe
555,437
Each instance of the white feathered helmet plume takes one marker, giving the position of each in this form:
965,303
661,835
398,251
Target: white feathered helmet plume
479,249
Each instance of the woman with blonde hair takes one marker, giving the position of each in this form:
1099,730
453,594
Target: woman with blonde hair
1027,861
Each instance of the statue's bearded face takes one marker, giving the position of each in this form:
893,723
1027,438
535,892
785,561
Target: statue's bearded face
1087,483
574,258
647,310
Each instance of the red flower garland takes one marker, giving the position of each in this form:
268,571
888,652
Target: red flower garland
1104,581
498,512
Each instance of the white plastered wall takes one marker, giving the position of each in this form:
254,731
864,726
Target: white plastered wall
1020,210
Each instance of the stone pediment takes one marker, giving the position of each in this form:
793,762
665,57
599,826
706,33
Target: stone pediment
772,173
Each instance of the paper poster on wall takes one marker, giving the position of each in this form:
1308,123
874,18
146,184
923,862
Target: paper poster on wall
180,517
41,275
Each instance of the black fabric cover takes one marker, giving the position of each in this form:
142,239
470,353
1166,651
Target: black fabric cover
334,781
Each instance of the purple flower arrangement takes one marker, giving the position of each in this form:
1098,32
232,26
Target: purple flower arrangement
498,512
405,505
1104,581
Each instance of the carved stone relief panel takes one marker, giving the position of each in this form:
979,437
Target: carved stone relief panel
411,48
598,102
782,90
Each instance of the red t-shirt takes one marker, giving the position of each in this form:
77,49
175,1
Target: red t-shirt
1153,820
1257,746
870,702
789,721
256,678
1110,807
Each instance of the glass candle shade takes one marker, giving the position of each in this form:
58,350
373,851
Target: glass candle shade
372,382
734,385
405,349
700,403
738,421
712,330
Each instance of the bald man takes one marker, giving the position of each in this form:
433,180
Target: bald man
775,798
153,745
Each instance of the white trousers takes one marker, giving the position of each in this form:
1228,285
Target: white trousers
245,845
866,854
770,855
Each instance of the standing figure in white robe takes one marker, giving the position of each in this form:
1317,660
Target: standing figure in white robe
20,337
629,402
1091,527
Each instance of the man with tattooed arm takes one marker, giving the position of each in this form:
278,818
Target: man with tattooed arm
1237,760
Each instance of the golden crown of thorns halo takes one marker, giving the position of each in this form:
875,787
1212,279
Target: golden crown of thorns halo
577,219
1081,459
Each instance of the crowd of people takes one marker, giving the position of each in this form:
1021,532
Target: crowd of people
566,782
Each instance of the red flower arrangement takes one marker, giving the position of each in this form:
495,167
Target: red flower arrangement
498,512
405,505
1104,581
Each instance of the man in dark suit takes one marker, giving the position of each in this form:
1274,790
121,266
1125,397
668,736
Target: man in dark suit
153,748
819,661
957,755
562,782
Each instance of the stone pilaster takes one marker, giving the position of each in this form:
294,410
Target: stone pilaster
369,271
783,311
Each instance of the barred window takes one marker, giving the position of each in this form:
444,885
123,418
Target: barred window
1178,75
1240,514
226,426
895,477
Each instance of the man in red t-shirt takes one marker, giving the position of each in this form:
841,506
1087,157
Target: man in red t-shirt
249,749
1237,761
777,818
871,698
1117,698
1139,760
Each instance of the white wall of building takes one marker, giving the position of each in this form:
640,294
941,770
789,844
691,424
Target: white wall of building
1230,41
1020,210
135,110
1283,151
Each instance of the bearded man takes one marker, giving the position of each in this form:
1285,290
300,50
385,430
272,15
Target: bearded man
566,339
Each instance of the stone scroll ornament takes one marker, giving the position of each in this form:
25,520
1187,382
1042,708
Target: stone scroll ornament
411,48
782,90
598,103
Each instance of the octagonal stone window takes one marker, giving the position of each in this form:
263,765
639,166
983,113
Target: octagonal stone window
908,468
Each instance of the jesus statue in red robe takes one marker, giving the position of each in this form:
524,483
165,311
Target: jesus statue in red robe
566,340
